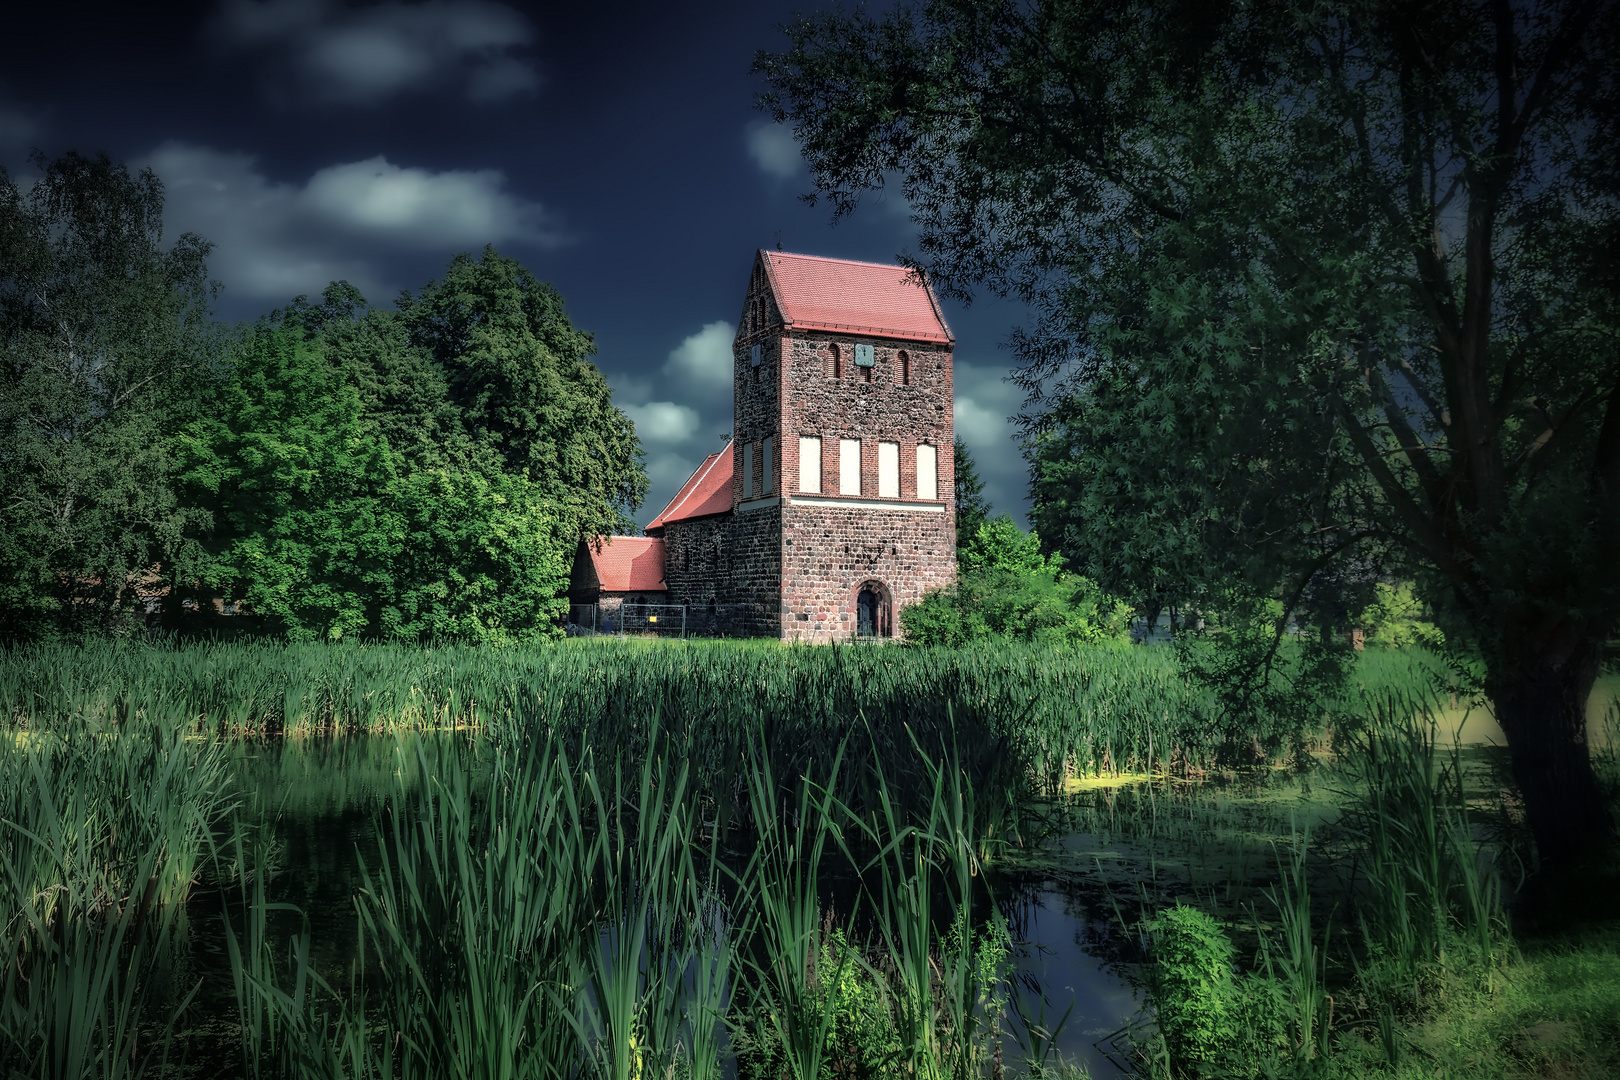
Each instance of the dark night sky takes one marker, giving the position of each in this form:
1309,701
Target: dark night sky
614,150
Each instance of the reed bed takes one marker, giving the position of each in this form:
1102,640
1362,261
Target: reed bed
1069,711
598,859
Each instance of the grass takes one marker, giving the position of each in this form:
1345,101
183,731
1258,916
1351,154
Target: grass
609,859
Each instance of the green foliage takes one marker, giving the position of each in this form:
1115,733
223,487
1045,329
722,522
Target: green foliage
1194,987
1007,589
999,544
418,473
106,819
104,347
1322,295
1432,900
846,1003
326,531
520,376
1269,687
1397,619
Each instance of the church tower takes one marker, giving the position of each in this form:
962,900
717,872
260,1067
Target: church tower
840,508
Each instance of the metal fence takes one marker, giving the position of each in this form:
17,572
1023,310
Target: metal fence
659,620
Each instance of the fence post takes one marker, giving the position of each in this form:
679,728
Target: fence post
683,622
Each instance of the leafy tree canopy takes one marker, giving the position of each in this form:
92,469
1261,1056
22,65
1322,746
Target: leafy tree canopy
1322,291
1006,588
999,544
520,376
105,346
356,496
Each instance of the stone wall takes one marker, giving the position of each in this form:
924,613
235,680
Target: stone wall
728,559
799,566
828,552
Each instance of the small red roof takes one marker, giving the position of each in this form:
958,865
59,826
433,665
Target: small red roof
629,563
707,492
816,293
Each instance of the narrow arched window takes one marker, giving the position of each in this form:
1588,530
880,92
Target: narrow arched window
903,367
834,363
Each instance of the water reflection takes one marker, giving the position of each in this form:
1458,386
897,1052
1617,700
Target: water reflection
323,802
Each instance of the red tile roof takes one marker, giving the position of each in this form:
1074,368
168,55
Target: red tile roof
707,492
629,563
817,293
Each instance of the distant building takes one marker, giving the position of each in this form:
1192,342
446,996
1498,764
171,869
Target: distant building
616,571
832,507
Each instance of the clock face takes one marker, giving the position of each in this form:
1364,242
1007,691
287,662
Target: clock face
865,356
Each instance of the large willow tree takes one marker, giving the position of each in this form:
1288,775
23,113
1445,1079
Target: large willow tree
1321,288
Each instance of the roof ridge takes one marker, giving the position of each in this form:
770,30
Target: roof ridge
693,482
854,262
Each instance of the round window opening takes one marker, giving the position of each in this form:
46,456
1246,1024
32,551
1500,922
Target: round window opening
873,614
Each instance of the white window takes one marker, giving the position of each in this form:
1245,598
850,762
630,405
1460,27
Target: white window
770,478
849,466
888,470
927,472
810,465
748,470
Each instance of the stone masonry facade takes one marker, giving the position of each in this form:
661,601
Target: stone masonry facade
798,557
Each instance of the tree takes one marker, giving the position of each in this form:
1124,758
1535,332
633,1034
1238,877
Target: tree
105,347
999,544
520,376
972,508
1319,289
355,499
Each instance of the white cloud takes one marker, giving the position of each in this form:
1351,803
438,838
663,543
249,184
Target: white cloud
274,240
425,208
705,358
774,150
326,51
663,421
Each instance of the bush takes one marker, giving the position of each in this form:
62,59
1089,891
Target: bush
1008,589
1397,618
1208,1015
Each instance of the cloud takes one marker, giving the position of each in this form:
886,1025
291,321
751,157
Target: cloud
664,421
18,128
774,150
323,51
274,240
982,413
705,358
423,208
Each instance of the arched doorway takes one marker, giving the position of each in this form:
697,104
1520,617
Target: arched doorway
874,614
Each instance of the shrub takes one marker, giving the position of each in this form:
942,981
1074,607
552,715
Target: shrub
1396,618
1194,986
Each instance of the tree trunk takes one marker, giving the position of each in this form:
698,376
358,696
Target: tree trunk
1541,704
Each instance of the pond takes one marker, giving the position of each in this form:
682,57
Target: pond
322,800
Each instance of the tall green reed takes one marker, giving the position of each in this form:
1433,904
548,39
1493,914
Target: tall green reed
1430,899
103,824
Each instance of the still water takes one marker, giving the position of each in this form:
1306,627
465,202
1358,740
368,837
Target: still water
322,801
